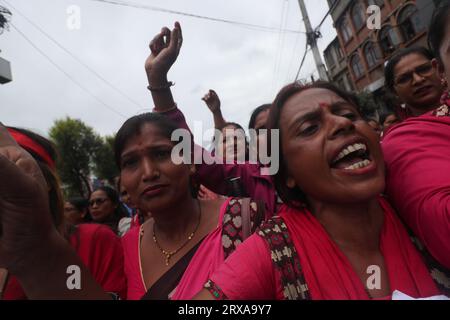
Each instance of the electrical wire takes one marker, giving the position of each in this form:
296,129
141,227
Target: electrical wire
65,73
108,83
158,9
303,60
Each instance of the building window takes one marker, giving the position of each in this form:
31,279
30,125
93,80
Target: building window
339,52
358,16
346,31
357,67
388,40
372,54
341,84
348,84
409,22
329,59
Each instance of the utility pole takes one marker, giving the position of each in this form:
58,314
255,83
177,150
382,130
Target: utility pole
312,37
5,66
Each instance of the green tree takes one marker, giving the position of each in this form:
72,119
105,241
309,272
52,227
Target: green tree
77,144
104,165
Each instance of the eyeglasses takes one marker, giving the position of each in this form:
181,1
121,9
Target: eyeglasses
424,70
97,201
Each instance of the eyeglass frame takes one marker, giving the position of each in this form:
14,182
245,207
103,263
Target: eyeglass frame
98,201
411,73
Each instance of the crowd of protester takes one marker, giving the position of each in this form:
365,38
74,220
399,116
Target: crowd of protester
358,209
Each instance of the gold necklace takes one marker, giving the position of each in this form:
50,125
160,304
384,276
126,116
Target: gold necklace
169,254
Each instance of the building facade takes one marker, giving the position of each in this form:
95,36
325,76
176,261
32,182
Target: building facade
358,53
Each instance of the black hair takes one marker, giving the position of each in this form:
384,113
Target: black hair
437,28
255,113
233,124
132,127
389,75
111,193
294,196
384,115
79,203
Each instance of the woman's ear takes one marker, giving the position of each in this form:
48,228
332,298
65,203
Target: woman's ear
192,169
438,66
441,71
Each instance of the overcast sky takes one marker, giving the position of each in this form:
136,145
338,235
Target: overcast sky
244,65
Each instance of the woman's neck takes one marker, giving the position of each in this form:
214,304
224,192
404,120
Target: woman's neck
352,226
174,222
420,110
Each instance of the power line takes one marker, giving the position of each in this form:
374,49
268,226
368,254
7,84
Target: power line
76,58
237,23
326,15
303,60
65,73
283,18
297,38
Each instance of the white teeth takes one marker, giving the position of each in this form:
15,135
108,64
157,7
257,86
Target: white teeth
360,164
349,149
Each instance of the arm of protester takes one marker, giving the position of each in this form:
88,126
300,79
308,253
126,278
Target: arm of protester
164,48
213,102
418,181
30,246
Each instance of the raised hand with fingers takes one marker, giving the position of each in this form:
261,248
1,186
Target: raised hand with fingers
212,101
165,48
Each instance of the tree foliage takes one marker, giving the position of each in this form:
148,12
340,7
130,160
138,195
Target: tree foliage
77,144
104,165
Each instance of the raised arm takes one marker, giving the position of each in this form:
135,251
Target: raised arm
30,246
164,48
213,102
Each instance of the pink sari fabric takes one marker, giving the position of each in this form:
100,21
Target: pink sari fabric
249,273
208,257
417,156
132,267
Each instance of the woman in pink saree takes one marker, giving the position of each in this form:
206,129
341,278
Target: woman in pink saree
335,237
417,155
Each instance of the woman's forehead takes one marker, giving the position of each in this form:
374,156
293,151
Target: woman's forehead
98,193
409,61
148,135
311,99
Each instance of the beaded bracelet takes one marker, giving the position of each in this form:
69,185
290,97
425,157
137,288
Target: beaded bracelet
161,88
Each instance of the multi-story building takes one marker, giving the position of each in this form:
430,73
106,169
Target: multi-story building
358,54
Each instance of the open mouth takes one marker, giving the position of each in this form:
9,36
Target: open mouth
352,157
